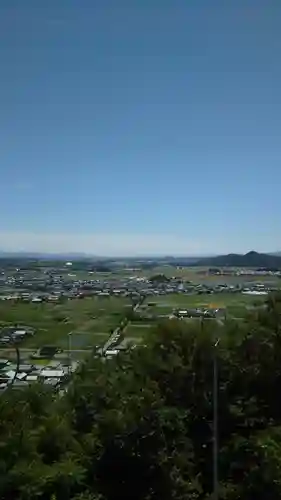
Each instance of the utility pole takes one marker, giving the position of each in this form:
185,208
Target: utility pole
215,423
18,363
69,349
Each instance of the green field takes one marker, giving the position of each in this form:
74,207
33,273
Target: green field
137,330
200,275
90,320
196,275
233,303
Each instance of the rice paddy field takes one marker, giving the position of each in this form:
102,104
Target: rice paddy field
197,275
161,307
234,303
200,275
90,321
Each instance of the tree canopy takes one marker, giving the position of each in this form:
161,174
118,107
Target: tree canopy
159,278
140,426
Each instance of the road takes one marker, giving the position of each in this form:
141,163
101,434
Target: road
118,330
28,352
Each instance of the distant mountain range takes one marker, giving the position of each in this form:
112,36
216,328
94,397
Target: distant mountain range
250,259
77,255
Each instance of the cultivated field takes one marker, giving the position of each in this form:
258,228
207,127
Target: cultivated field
194,274
200,275
90,320
236,304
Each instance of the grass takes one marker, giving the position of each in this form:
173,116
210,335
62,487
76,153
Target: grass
215,299
39,361
233,303
198,275
80,340
194,274
90,320
137,330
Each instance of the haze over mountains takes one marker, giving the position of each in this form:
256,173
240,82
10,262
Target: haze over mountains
250,259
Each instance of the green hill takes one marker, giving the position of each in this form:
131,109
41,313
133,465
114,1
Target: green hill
250,259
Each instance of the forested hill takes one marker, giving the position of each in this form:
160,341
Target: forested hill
140,426
250,259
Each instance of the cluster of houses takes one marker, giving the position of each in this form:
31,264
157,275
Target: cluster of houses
53,374
56,371
242,272
199,312
14,335
53,288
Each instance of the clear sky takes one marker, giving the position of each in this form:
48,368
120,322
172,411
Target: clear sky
140,126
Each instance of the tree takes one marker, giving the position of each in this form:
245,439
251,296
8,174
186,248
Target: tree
159,278
141,425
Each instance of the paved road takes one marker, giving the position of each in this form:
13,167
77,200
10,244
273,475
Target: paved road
117,330
107,344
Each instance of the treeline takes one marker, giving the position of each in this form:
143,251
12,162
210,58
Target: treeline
141,425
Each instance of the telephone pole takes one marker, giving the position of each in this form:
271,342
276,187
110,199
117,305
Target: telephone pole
215,423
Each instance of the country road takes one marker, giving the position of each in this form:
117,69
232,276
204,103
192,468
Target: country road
29,351
118,330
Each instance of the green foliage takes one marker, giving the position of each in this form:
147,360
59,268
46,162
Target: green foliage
141,425
159,278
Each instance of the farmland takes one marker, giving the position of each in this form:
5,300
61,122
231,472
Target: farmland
59,300
165,304
193,274
90,320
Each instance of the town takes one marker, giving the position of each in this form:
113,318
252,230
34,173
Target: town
55,315
50,284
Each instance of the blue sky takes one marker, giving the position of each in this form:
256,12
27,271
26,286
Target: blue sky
140,126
